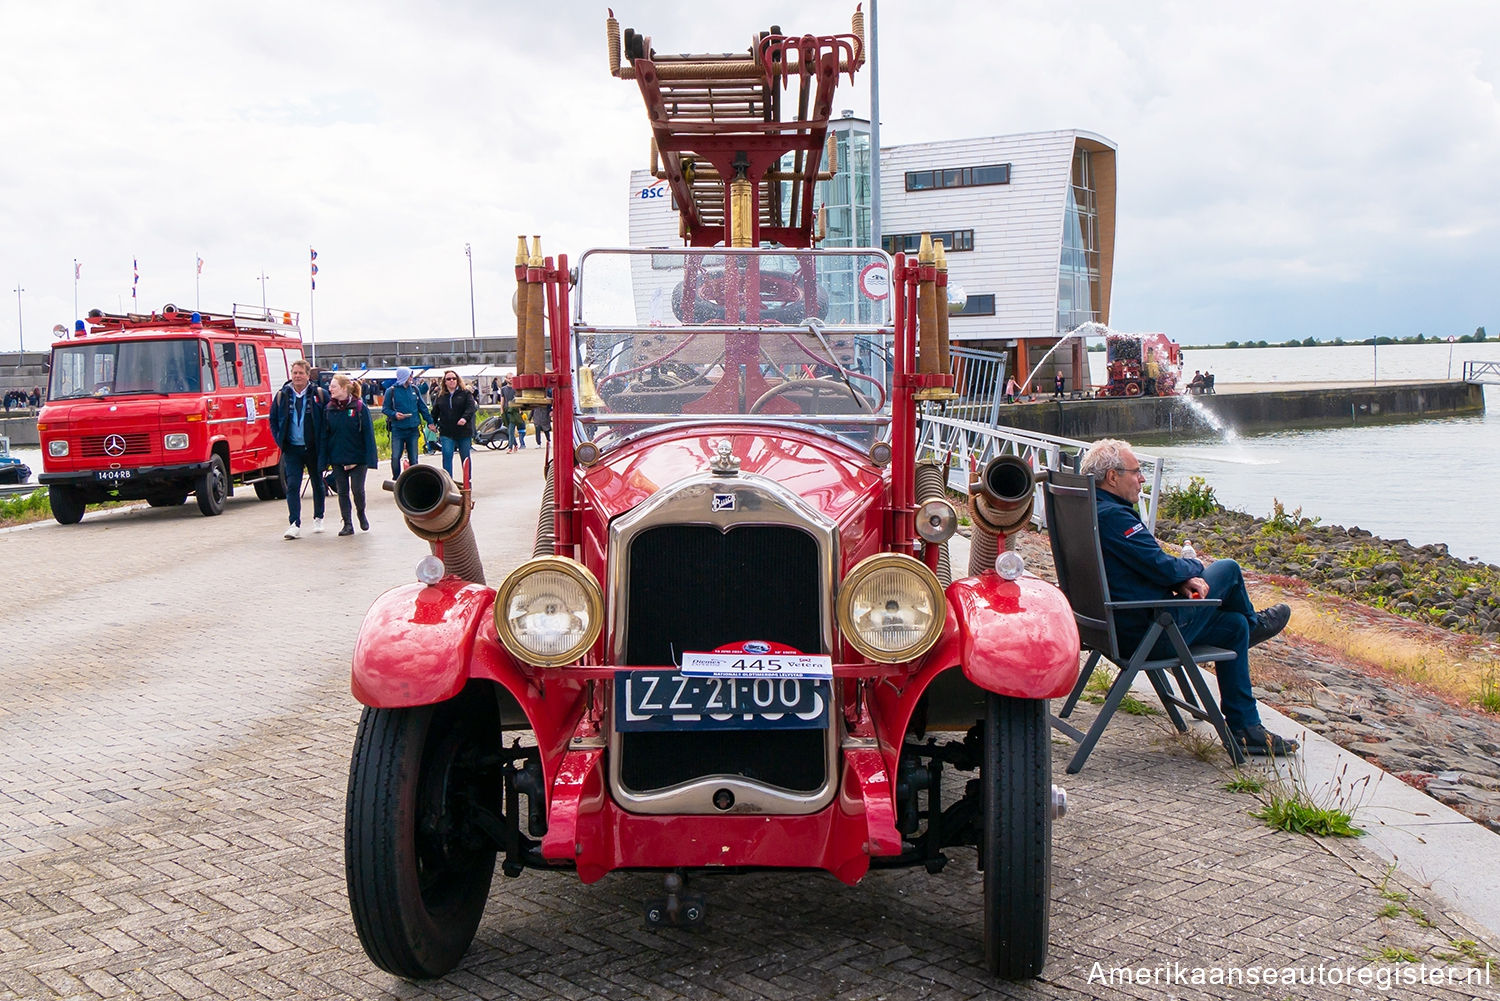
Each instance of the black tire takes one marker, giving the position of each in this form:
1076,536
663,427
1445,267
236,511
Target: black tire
272,487
166,500
418,867
213,487
67,504
1016,844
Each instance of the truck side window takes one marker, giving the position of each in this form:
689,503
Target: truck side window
250,364
224,355
276,367
206,365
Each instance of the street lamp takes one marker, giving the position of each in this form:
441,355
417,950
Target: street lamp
20,327
263,278
469,253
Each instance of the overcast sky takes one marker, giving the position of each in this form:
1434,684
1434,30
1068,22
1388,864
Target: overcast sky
1316,167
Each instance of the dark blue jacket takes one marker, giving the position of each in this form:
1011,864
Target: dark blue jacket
348,436
1134,564
407,400
312,421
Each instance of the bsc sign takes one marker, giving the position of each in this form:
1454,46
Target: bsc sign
875,280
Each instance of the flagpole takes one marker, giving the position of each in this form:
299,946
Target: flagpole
197,281
75,294
312,302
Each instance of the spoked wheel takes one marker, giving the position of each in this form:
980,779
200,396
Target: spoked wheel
213,486
417,862
1016,845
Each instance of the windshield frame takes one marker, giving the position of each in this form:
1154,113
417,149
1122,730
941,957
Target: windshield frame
97,371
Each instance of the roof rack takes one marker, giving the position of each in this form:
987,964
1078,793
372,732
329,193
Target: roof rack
172,318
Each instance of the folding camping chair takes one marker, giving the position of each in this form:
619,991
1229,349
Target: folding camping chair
1073,528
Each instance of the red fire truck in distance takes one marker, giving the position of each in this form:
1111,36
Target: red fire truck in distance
158,406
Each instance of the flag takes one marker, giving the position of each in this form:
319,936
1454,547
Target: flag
200,265
77,270
313,274
135,267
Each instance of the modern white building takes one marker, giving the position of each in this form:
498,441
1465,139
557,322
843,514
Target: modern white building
1028,221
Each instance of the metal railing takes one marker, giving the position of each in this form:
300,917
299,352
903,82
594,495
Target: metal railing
967,445
979,380
1482,372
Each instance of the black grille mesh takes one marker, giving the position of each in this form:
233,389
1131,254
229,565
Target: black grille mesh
693,587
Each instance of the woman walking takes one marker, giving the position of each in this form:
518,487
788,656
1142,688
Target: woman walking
348,447
453,411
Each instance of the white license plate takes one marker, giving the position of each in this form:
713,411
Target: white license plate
106,475
770,665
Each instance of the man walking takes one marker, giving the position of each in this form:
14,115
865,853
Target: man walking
296,424
406,414
1138,570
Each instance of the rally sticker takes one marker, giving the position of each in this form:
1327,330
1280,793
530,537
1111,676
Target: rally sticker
757,659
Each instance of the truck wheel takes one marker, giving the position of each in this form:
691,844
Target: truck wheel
67,504
272,487
418,863
1016,846
166,500
213,487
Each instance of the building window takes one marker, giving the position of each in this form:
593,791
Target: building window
957,177
1079,292
910,243
978,305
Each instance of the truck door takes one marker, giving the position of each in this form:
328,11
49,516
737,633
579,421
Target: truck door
226,407
260,448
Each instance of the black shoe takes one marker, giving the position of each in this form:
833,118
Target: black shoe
1258,740
348,529
364,523
1269,622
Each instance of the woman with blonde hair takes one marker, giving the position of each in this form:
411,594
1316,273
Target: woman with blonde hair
348,448
453,412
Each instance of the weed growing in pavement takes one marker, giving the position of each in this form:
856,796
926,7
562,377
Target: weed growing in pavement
1245,782
1389,911
1395,954
1289,804
1135,707
1385,886
1420,917
1465,950
1201,744
1098,689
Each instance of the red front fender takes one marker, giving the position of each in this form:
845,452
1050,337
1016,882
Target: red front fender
413,648
1012,637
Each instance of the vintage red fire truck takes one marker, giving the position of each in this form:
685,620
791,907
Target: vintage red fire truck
736,647
157,406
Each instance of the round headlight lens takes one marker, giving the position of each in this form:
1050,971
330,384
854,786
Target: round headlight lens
549,611
891,608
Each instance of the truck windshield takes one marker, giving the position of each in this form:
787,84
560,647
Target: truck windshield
776,335
113,368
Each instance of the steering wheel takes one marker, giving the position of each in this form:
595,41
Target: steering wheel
848,400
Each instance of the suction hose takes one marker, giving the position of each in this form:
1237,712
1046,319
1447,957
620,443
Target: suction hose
437,510
999,505
546,527
931,482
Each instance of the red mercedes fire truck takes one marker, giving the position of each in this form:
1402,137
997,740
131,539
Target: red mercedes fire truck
157,406
738,645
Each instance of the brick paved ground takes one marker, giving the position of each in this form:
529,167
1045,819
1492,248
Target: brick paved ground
172,770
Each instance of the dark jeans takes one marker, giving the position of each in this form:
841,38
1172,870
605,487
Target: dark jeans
403,439
450,445
347,481
295,459
1226,626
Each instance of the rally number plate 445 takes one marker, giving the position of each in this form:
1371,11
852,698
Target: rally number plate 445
666,700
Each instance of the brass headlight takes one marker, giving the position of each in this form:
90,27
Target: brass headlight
549,611
891,608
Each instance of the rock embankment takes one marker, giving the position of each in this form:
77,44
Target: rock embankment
1424,583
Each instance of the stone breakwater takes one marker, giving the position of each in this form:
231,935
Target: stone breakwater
1424,583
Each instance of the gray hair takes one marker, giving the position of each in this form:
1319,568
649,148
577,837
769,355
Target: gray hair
1103,456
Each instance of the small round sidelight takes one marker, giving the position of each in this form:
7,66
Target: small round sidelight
936,520
880,453
586,453
1010,565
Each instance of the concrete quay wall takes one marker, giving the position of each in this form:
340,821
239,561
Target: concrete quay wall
1262,410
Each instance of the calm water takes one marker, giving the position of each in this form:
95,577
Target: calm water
1425,481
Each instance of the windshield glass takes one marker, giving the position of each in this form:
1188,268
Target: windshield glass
667,335
114,368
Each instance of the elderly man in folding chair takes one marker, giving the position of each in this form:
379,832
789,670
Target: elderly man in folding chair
1138,570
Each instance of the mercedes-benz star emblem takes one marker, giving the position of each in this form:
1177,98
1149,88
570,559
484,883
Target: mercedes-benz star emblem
115,444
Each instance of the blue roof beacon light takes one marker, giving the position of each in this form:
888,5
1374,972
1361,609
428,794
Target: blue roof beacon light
196,317
79,330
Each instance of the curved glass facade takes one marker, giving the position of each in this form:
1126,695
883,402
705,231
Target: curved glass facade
1078,290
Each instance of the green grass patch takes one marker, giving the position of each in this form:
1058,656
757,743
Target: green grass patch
1465,950
1245,782
1289,803
1389,911
1135,707
1395,954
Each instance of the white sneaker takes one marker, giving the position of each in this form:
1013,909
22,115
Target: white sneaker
317,525
292,532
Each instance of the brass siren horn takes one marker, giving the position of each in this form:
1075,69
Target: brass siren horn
535,354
